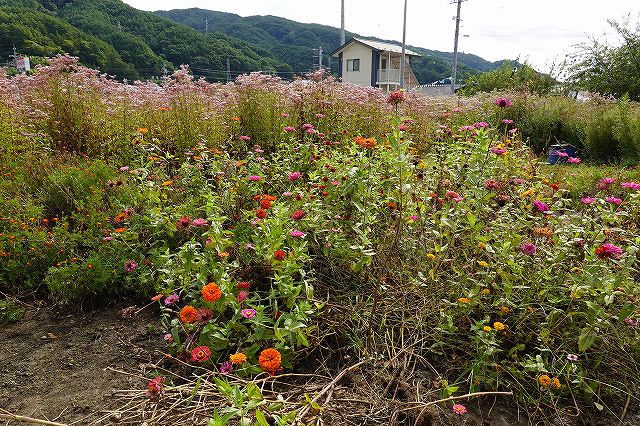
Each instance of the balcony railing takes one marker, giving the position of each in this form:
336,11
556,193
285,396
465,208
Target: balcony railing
388,75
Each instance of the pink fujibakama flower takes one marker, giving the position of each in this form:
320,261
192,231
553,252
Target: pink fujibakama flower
507,121
503,102
296,234
284,114
171,299
254,178
248,313
123,168
307,126
319,115
249,247
245,138
168,337
199,222
460,409
631,322
403,127
243,285
200,354
574,160
289,129
542,207
608,250
519,181
498,151
613,200
528,248
630,185
481,125
587,200
130,266
294,176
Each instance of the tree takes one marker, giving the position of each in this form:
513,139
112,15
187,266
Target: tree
510,77
610,71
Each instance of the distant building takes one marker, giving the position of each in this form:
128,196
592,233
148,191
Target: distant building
373,63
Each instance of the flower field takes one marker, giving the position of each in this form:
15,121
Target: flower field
285,230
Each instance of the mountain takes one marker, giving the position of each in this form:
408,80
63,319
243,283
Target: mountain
293,42
124,41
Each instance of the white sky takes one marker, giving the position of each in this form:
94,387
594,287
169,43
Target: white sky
540,31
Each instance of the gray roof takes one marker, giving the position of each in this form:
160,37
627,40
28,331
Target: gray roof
376,45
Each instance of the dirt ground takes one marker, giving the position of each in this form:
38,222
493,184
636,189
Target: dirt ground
60,367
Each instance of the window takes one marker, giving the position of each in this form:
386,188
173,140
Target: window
353,64
384,64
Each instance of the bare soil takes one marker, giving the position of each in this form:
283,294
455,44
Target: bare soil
60,366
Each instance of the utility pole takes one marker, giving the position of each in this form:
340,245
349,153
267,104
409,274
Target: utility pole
206,26
165,71
455,51
319,50
228,70
342,33
15,57
404,40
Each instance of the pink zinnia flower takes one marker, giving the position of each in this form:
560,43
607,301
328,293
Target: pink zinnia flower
155,388
498,151
605,183
289,129
245,138
574,160
242,296
587,200
503,102
248,313
200,354
294,176
614,200
542,207
170,300
296,234
528,248
459,409
107,239
254,178
199,222
630,185
130,266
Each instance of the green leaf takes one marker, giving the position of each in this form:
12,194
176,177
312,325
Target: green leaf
262,421
586,340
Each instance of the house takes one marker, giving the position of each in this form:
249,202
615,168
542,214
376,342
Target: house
374,63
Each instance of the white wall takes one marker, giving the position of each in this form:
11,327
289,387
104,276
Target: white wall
362,77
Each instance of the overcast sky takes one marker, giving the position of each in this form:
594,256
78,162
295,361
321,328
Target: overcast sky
540,31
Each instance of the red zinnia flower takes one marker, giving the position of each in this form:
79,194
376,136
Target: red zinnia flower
200,354
279,254
261,214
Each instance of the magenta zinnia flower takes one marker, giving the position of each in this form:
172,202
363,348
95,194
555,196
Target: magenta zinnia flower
248,313
199,222
608,251
503,102
542,207
574,160
170,300
630,185
587,200
297,234
614,200
498,151
130,266
528,248
254,178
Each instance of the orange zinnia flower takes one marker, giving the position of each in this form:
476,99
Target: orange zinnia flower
167,183
235,118
366,143
270,360
211,292
238,358
188,314
143,130
119,230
